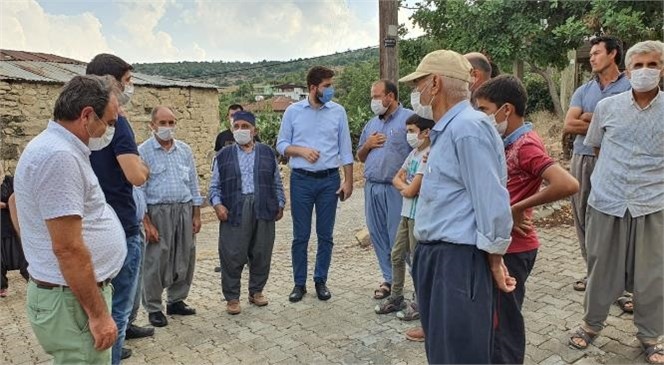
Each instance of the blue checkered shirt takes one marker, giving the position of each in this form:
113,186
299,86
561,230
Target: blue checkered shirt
173,176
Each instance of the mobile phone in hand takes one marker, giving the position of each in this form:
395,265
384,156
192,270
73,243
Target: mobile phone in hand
342,195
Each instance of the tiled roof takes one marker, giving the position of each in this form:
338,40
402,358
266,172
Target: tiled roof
276,104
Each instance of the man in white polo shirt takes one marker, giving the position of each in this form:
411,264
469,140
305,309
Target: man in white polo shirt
73,240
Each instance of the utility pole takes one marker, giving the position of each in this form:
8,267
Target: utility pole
389,52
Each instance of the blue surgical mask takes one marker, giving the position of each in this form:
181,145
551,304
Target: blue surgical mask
326,95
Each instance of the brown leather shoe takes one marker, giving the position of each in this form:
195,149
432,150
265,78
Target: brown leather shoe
258,299
415,334
233,306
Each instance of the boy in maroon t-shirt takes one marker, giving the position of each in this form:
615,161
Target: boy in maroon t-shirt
528,164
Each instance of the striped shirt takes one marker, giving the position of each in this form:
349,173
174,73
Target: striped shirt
173,176
629,174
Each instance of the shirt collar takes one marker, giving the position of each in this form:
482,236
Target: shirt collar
631,96
599,84
518,133
307,104
239,149
156,145
63,132
391,116
453,112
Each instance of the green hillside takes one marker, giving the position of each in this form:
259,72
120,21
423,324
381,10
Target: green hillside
226,74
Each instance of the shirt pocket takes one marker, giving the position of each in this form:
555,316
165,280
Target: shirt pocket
42,305
183,173
157,169
655,138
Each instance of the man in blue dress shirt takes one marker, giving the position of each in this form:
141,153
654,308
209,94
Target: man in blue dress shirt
314,134
463,220
383,148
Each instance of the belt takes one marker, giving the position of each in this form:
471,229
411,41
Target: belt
317,174
44,285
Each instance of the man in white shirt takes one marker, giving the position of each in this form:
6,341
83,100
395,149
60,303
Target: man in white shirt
624,220
72,238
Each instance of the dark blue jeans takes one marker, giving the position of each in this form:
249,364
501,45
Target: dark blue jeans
455,296
308,192
124,290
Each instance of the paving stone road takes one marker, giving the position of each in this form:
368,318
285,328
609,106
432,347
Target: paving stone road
344,329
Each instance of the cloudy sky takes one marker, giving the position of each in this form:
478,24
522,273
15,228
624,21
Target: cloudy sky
193,30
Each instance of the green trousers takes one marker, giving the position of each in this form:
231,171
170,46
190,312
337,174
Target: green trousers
61,325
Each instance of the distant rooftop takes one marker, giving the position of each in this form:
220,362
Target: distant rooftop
276,104
49,68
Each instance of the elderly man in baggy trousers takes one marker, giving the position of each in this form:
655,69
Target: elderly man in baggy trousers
172,220
625,217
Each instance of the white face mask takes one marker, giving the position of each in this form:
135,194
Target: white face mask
644,79
99,143
242,136
126,95
165,133
377,107
413,140
424,111
502,126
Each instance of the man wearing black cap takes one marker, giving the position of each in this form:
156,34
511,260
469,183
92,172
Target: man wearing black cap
248,197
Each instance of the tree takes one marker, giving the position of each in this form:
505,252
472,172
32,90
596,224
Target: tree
508,30
539,33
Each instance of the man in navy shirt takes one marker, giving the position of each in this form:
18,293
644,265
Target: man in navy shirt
116,163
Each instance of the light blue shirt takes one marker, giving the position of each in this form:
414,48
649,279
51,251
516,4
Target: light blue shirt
173,177
629,174
383,163
246,161
463,198
141,205
325,130
587,96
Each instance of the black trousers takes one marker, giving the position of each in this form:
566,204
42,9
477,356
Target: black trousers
455,296
11,258
509,341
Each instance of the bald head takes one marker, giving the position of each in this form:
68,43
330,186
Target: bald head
160,111
163,117
481,68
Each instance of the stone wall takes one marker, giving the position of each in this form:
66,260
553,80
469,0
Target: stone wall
25,109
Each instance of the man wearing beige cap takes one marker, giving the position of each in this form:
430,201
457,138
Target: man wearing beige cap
463,221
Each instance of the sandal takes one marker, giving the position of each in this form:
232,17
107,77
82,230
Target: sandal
650,350
587,337
409,312
626,303
383,291
389,305
580,285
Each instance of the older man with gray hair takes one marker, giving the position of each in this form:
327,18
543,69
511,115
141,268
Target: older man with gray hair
463,220
72,238
625,216
172,219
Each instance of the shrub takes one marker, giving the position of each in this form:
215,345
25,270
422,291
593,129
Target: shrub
538,93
